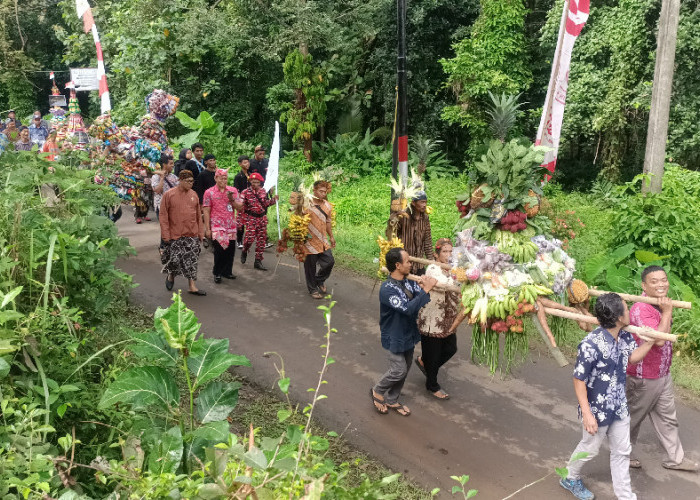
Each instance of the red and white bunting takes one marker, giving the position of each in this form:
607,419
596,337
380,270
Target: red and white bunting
573,19
51,76
84,12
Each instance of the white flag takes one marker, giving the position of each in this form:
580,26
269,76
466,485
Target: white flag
573,19
273,164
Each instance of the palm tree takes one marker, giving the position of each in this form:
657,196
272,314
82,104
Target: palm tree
422,147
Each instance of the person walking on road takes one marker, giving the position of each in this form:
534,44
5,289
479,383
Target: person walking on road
255,204
259,163
319,260
599,383
438,321
400,300
196,164
184,156
413,229
206,178
649,384
163,180
220,204
182,231
241,182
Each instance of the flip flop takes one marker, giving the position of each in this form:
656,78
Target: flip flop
169,284
400,409
420,365
376,401
316,296
198,292
322,288
635,464
685,465
440,394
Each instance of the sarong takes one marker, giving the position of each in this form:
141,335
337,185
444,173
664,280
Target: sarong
181,257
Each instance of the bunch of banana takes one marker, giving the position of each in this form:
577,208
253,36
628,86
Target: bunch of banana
502,307
460,274
521,250
298,226
384,247
480,311
530,292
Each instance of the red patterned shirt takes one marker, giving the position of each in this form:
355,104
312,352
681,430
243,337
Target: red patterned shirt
222,216
657,363
255,203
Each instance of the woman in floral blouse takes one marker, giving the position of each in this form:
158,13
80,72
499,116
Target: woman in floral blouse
437,322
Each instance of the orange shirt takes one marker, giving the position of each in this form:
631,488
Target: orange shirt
180,215
320,215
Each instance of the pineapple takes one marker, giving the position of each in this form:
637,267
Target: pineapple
478,197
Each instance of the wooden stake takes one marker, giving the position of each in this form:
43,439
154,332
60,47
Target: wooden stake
554,351
645,333
641,298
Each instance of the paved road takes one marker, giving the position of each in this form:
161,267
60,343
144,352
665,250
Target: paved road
504,433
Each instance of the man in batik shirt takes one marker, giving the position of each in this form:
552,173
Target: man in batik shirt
649,384
220,203
599,383
255,204
319,260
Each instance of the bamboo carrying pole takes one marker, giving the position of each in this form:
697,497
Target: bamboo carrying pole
553,350
641,298
642,332
427,262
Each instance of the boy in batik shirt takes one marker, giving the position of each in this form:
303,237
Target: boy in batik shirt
599,383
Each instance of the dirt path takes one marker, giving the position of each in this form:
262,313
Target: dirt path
503,433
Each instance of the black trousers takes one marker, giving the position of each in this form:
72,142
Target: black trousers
223,259
240,232
436,352
317,268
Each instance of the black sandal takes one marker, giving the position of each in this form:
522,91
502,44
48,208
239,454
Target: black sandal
399,408
197,292
375,400
169,284
420,365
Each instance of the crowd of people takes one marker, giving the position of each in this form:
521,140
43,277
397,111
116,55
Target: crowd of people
619,378
196,206
35,136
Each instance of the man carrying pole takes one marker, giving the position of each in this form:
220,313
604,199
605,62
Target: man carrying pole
649,384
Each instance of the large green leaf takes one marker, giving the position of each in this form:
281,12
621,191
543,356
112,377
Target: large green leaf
209,358
205,436
177,324
152,346
595,265
206,122
646,257
188,139
216,401
621,253
4,368
143,386
187,121
165,454
619,279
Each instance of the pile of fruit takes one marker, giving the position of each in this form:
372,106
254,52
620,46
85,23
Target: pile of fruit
384,246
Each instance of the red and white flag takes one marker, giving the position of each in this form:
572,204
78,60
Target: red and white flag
573,20
84,11
51,76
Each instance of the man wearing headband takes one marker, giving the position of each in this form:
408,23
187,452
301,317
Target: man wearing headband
413,229
205,179
255,204
220,203
181,230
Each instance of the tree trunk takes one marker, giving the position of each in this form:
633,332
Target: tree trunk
657,132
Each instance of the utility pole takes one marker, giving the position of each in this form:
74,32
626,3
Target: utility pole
399,168
657,132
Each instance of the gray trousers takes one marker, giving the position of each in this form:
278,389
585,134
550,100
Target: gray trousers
618,435
654,398
392,381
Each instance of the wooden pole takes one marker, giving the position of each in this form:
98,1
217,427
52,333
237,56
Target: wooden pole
427,262
554,351
645,333
641,298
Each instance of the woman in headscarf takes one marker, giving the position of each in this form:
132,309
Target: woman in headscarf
438,320
51,146
185,155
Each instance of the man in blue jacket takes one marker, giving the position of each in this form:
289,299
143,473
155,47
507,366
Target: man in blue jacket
400,300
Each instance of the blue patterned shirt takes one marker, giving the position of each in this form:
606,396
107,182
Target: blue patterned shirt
398,314
602,363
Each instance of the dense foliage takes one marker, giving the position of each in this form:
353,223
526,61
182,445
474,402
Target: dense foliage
228,57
